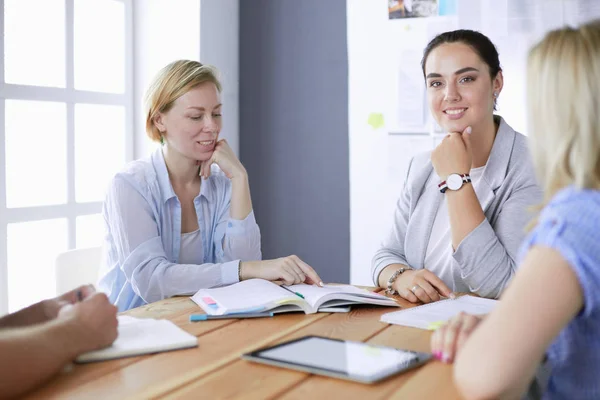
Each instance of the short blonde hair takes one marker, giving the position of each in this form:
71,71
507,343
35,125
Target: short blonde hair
172,82
563,92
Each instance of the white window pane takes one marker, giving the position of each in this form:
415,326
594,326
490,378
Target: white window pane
90,230
36,166
99,40
32,250
34,42
99,149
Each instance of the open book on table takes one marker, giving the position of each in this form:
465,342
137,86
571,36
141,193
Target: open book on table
142,336
257,295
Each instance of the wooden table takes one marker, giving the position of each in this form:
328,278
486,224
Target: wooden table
214,369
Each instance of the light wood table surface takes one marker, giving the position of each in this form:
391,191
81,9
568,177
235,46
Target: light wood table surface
214,369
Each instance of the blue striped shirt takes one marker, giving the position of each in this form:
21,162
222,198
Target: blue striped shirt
570,224
142,217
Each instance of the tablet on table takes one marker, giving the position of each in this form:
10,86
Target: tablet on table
355,361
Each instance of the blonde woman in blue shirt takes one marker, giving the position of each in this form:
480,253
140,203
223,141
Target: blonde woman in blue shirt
182,219
552,307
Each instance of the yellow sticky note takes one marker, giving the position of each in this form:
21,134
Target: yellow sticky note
375,120
284,301
434,325
372,351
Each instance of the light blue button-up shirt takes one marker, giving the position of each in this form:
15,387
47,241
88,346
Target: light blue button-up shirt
569,224
142,218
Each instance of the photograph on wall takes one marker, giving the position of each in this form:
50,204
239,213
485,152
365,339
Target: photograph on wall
412,8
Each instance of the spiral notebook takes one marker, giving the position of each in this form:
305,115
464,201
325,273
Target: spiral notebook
427,315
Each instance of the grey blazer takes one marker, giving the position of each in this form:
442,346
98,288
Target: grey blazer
485,261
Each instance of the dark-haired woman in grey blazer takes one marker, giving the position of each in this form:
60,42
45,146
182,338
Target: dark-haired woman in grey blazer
462,213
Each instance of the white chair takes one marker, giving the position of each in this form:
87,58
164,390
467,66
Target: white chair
77,267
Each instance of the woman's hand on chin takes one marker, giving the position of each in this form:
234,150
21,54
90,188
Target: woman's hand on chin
453,155
226,159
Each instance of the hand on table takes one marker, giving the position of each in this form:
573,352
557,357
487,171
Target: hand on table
94,322
448,339
53,306
421,286
290,270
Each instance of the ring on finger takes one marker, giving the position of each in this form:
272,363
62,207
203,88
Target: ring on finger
414,288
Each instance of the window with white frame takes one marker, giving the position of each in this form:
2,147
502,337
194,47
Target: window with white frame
66,126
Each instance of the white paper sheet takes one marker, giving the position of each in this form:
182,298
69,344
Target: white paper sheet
423,316
469,14
142,336
410,99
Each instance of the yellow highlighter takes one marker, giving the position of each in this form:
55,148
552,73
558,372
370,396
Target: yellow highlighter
434,325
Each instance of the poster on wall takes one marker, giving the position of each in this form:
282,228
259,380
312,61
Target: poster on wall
410,108
408,113
412,8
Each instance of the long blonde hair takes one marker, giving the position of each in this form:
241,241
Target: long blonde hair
563,92
172,82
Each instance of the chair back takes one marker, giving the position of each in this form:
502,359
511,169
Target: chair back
77,267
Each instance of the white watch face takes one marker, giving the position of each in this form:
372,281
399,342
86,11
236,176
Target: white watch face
454,182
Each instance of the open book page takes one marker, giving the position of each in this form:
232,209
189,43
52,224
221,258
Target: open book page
424,316
253,295
142,336
332,295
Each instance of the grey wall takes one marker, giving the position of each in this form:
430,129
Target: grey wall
219,44
294,128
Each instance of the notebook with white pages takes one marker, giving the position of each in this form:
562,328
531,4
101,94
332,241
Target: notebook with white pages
138,336
257,295
424,316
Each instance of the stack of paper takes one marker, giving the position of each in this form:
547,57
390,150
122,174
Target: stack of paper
425,316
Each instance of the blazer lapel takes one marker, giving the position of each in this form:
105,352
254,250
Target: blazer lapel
425,203
497,165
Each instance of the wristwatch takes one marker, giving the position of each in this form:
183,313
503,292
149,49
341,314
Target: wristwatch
395,275
454,182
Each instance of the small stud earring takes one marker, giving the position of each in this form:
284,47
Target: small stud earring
495,94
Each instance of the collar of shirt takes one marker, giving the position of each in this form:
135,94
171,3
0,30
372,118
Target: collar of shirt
164,183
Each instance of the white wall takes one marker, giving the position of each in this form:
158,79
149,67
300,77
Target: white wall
373,188
164,31
203,30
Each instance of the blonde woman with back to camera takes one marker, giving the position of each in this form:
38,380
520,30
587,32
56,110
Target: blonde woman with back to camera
182,219
552,307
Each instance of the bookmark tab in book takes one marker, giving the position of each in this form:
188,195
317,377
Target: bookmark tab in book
210,302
